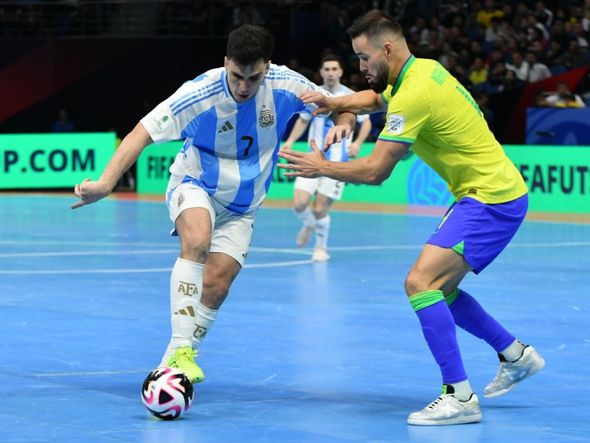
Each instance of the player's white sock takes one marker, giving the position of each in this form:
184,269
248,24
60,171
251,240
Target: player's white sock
306,217
322,229
203,320
186,285
463,390
514,351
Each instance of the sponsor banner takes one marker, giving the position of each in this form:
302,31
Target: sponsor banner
558,178
153,165
34,161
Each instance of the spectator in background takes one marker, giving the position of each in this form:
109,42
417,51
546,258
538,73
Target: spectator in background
564,98
489,11
543,15
63,123
519,66
478,74
552,55
510,82
537,71
574,57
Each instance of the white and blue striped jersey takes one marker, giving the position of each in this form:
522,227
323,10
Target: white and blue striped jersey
319,126
230,148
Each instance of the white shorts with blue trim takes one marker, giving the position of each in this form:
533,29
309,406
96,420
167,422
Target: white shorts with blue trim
232,232
322,185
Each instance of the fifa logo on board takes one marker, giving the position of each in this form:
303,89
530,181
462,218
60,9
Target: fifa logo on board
266,117
187,288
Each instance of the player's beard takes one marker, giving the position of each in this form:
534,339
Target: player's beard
381,78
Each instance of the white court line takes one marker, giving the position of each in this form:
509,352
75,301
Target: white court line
85,243
254,249
274,250
83,253
89,373
138,270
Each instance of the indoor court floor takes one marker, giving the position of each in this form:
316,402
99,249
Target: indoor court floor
301,352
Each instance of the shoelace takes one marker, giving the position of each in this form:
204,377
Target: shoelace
435,403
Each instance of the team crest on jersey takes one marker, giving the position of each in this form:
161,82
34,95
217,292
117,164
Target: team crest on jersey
395,124
266,117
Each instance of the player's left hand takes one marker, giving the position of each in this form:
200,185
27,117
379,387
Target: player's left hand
303,164
335,135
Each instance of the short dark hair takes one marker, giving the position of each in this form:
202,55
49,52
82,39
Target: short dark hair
331,58
248,44
374,23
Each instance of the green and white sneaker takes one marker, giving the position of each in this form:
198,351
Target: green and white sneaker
184,360
447,410
511,373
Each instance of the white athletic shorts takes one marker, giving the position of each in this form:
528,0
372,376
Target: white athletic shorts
232,232
322,185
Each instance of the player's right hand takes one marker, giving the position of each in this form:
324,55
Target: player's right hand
323,103
89,192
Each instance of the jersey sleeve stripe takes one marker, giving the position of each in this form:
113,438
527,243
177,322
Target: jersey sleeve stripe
194,94
196,100
391,138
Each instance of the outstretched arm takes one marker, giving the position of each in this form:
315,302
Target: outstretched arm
373,169
126,154
362,102
298,129
355,146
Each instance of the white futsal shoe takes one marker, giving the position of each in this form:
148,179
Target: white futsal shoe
320,255
304,235
511,373
447,410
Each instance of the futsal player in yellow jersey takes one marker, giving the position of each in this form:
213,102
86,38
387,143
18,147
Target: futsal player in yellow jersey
434,115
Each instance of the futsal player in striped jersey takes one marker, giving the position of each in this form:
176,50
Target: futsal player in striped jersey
429,111
325,189
231,119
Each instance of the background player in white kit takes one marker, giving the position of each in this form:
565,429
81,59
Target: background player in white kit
231,119
325,189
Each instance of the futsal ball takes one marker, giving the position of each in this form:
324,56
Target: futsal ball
167,393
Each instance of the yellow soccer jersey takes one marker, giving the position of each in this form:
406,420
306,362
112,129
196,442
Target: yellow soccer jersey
429,109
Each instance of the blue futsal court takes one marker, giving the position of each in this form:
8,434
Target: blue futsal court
300,352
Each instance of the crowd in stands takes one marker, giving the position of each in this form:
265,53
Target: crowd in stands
491,46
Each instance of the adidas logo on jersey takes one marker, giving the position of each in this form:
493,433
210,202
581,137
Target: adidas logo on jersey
227,126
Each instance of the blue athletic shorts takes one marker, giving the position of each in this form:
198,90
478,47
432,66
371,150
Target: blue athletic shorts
479,231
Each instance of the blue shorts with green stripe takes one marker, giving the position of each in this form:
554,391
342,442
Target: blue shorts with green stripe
479,231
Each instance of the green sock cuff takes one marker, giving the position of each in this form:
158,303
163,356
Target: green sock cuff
452,297
424,299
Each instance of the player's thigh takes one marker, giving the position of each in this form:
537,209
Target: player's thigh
192,212
301,199
305,189
436,268
193,226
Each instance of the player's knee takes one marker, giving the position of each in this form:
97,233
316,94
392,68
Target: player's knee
299,207
194,248
320,212
415,282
